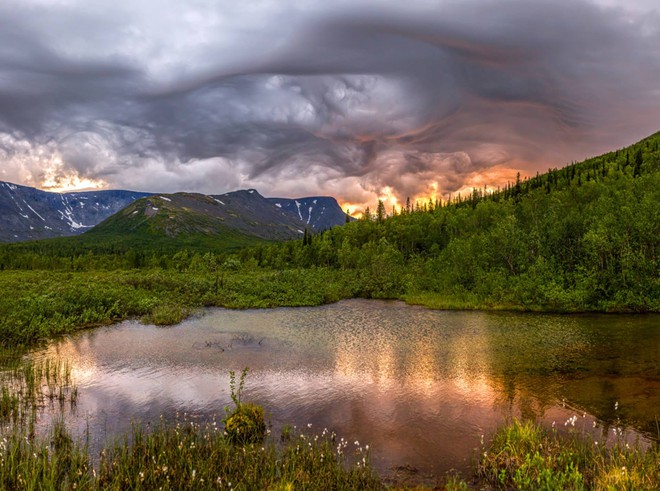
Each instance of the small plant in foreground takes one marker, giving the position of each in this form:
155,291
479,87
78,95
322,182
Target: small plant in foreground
246,423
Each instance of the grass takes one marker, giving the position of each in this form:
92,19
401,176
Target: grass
175,456
27,385
181,456
525,456
45,304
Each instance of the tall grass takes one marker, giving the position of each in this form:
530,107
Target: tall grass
525,456
27,385
185,455
179,455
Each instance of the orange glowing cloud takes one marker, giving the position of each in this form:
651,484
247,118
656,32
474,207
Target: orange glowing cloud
56,179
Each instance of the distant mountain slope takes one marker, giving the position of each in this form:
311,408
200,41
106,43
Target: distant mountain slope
242,213
27,213
316,212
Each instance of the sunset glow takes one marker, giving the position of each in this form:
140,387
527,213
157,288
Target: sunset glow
421,101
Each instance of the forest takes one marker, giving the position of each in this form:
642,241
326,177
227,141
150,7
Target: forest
585,237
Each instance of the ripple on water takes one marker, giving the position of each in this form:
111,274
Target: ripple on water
420,386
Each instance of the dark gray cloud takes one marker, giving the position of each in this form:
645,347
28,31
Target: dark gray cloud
359,99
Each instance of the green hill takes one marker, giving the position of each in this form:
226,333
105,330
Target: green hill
584,237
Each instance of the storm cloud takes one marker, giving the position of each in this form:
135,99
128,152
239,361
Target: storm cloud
358,99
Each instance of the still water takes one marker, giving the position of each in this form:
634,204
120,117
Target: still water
421,387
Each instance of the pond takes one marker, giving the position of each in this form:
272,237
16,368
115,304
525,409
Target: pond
421,387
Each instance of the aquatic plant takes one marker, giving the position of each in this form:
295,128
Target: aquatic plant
246,423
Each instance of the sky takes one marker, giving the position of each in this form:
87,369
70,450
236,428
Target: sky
357,99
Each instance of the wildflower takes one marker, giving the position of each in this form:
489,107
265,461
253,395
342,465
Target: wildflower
616,405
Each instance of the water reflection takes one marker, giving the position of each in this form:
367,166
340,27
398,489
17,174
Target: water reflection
419,386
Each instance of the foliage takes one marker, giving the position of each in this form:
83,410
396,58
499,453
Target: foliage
582,238
525,456
167,314
43,304
246,423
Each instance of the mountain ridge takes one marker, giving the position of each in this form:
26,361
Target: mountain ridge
27,213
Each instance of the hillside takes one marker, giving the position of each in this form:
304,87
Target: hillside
583,237
318,213
235,219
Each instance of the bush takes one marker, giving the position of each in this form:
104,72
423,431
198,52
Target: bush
168,314
246,424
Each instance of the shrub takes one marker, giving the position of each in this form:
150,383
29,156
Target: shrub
246,424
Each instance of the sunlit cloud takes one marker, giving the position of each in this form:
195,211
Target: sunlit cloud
293,98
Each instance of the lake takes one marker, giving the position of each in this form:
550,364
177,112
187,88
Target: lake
421,387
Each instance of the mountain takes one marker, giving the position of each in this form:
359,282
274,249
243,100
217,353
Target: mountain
244,213
316,212
27,213
168,222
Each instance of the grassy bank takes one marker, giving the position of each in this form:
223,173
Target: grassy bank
527,457
39,305
43,304
182,456
187,455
